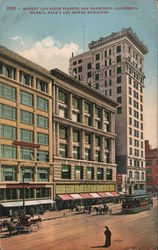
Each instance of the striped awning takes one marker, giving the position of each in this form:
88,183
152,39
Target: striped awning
76,196
95,195
86,196
109,194
27,203
65,197
103,194
115,193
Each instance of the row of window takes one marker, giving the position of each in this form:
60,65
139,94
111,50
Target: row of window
66,173
137,175
24,78
10,113
10,152
26,98
10,174
136,75
136,152
136,163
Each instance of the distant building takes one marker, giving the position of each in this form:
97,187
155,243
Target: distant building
151,156
114,65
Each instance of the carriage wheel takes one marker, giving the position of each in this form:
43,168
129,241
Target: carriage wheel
32,228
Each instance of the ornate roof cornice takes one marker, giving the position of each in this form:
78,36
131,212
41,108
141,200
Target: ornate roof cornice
23,61
123,33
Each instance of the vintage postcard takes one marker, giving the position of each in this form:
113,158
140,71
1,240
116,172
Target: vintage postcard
78,124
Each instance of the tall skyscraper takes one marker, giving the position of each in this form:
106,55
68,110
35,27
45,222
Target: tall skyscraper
114,65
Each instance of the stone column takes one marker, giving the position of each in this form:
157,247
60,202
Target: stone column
93,115
102,119
70,106
70,146
57,139
57,101
18,121
112,123
53,102
102,148
82,145
93,147
112,151
82,111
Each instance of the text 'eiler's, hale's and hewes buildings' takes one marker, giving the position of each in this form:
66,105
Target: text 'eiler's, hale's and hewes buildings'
114,65
56,130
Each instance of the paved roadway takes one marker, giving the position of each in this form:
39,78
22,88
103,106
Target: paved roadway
83,232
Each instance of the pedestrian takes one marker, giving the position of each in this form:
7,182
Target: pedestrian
107,237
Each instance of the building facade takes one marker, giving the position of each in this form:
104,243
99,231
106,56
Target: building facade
151,156
114,65
55,131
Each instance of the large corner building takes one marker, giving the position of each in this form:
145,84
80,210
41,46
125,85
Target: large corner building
114,65
55,131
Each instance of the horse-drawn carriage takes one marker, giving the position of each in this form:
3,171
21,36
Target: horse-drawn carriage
23,224
101,210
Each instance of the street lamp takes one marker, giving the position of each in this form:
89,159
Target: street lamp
23,172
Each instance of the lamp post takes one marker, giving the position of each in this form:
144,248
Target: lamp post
23,171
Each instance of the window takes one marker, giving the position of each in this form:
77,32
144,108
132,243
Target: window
118,70
63,132
119,79
7,112
97,155
42,138
97,141
43,156
8,152
87,138
109,82
76,152
110,61
75,102
8,173
63,150
7,92
106,73
118,90
43,175
26,154
119,110
109,52
110,92
75,116
130,100
9,72
130,111
97,57
28,175
89,74
26,98
136,175
66,172
42,103
97,85
130,174
130,91
78,172
118,49
76,136
148,170
100,173
130,80
87,154
109,72
89,65
142,176
87,121
26,135
97,66
87,108
148,162
105,53
130,121
80,69
96,77
130,131
105,63
27,79
42,86
130,141
119,99
42,121
109,174
26,117
80,61
63,97
8,132
119,58
130,151
74,63
97,112
90,173
63,112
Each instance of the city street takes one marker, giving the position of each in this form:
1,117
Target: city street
86,231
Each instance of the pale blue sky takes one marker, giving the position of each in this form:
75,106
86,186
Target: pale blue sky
20,31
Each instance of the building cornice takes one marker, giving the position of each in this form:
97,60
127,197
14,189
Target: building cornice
115,36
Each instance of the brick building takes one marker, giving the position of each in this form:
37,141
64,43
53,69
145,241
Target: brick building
151,156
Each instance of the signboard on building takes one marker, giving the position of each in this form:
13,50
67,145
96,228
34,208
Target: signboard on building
119,178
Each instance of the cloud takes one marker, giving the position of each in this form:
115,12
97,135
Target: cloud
18,39
50,53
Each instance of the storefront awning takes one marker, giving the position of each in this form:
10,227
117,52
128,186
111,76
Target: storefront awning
76,196
95,195
86,196
103,194
27,203
65,197
109,194
115,194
